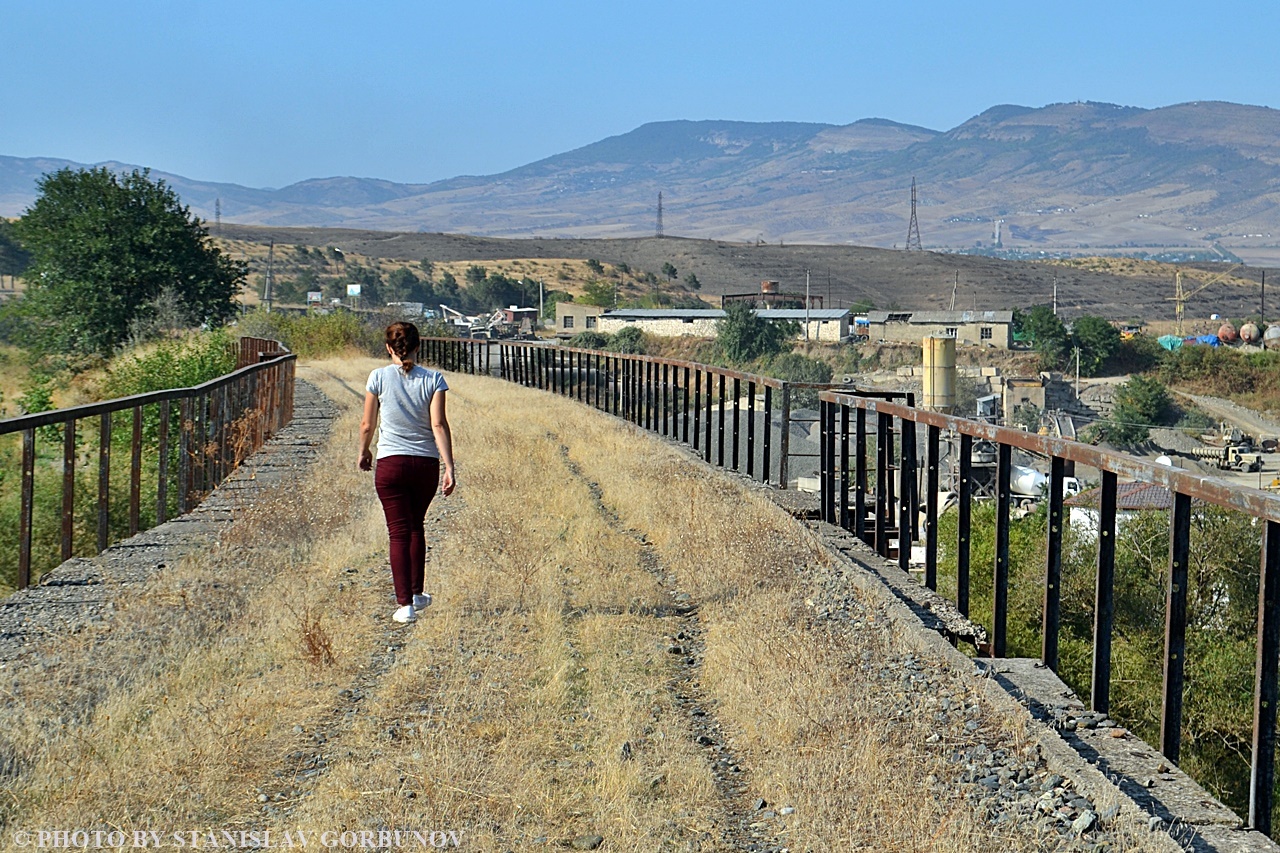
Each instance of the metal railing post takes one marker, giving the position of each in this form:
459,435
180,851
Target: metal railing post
1266,691
1175,627
1104,596
784,436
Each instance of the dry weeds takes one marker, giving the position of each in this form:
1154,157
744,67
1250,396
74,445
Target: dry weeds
262,685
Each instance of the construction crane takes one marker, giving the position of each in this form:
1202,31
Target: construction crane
1181,295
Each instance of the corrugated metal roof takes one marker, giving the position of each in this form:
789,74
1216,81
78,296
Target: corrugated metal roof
946,318
718,313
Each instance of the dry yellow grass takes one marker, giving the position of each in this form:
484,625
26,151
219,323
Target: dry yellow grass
262,685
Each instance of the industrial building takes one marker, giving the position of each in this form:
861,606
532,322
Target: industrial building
572,318
979,328
829,325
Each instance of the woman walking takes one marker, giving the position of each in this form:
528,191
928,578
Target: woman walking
415,457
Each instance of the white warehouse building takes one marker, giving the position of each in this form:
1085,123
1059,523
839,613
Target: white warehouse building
830,325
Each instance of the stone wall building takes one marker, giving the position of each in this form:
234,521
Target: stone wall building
828,325
981,328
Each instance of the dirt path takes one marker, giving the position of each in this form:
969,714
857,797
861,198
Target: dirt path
627,651
1259,426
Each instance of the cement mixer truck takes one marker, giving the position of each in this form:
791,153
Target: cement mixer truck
1028,486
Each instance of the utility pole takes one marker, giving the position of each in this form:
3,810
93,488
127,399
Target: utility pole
1077,373
806,306
1055,294
267,288
540,308
954,288
659,229
1262,307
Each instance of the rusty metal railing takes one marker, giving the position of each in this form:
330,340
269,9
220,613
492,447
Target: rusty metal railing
845,499
460,355
254,350
730,417
725,415
217,423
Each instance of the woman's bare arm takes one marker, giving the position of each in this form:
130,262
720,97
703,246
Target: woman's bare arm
444,442
368,423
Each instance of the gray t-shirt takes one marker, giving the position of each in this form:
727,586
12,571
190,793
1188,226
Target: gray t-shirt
404,413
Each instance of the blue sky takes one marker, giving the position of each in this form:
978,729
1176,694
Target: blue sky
267,93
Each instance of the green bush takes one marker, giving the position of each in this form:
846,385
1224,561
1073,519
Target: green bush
628,341
590,340
794,367
318,335
173,363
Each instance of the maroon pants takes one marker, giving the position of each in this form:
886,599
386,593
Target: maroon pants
406,485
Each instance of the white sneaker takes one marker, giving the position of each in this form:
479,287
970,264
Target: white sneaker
404,614
422,601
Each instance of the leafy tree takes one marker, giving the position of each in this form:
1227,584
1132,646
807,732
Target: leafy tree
475,274
1098,341
1138,403
691,282
1048,336
447,290
495,291
404,286
743,335
595,266
14,259
598,293
428,268
104,246
669,271
625,269
402,280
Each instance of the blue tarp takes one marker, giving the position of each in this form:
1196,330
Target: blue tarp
1211,340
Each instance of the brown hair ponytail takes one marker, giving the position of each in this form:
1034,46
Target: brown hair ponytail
403,339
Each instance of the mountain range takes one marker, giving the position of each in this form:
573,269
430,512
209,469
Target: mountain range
1200,177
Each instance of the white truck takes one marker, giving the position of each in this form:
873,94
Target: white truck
1027,486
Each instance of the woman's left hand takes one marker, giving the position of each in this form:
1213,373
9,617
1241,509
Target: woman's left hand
447,482
366,460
